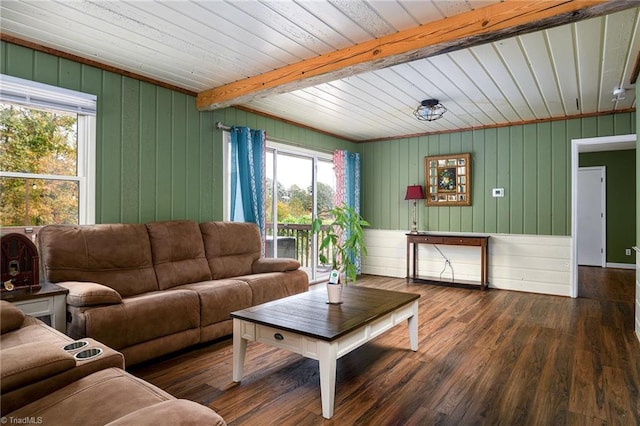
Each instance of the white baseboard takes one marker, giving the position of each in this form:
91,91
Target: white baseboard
621,265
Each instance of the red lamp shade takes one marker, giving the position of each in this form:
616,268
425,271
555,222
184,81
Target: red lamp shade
414,192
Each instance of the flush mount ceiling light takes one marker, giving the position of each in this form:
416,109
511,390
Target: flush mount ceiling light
619,94
429,110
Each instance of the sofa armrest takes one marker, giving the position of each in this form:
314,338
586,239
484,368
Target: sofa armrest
173,412
28,363
90,294
268,264
11,317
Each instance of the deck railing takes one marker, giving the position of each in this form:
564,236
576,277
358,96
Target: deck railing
303,239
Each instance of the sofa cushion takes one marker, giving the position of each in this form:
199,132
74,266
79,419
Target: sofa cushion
144,317
219,298
270,264
179,412
231,247
100,398
276,285
118,256
178,253
11,317
32,362
90,294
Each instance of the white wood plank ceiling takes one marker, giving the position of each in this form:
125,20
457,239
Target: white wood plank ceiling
564,71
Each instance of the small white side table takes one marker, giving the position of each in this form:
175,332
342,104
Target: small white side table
48,304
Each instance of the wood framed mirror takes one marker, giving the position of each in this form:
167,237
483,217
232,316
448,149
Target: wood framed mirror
448,179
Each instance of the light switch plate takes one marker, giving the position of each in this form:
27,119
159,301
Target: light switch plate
498,192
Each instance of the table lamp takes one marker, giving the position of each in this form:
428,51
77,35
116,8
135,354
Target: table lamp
414,192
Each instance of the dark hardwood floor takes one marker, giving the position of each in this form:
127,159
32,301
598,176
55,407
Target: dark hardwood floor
616,285
484,358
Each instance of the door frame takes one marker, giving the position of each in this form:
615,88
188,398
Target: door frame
603,222
607,143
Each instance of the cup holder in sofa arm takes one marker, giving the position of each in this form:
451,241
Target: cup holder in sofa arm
86,354
74,346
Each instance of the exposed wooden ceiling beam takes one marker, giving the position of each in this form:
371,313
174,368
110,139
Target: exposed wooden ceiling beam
487,24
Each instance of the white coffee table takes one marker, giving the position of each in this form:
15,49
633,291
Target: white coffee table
307,325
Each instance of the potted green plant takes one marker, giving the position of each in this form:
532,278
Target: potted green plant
343,240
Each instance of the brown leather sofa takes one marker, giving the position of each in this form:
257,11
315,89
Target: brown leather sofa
148,290
33,361
44,380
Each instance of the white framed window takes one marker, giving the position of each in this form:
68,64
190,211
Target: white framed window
47,154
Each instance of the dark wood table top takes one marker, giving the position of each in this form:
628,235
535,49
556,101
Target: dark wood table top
309,313
28,293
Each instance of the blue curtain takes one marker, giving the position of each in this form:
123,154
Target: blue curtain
347,169
248,153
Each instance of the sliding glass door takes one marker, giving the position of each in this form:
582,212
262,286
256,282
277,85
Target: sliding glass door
300,184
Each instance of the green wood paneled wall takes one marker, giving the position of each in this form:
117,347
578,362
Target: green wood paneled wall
621,199
153,148
158,157
531,162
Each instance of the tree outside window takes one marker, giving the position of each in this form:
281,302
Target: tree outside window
39,153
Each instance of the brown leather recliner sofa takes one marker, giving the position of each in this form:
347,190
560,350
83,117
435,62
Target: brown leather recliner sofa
46,381
150,289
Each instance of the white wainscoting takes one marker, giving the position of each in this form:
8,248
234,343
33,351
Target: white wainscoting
531,263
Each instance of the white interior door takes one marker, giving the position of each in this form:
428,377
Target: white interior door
591,216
